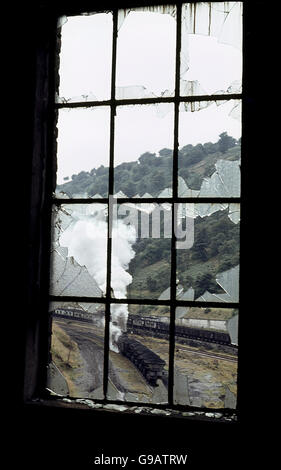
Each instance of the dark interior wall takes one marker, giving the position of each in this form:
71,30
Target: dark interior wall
36,435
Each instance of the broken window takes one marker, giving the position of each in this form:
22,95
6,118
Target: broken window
77,349
206,376
206,167
80,153
87,70
144,283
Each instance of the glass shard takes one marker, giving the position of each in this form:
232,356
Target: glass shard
232,327
78,257
229,282
212,43
146,60
225,182
210,151
208,268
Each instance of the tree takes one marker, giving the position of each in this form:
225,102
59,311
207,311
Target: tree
102,170
129,189
151,284
199,248
147,157
158,180
225,142
209,147
165,153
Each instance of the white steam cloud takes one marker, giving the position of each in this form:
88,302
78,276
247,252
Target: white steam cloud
86,240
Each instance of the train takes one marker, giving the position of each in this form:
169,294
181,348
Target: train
73,314
138,324
147,362
152,326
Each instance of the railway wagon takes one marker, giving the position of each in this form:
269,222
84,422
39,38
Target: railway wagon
73,314
211,336
152,326
149,363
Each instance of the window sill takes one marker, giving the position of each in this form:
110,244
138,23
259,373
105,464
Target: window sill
225,416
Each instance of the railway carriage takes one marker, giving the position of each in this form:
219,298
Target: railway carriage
73,314
139,325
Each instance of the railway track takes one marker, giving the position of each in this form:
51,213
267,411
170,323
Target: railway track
85,335
93,336
221,357
77,329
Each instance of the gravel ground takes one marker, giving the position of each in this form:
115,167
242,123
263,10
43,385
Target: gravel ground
123,376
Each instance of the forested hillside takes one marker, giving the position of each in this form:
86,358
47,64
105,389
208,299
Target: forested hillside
216,237
151,174
215,249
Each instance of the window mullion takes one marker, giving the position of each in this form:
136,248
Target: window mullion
174,211
110,207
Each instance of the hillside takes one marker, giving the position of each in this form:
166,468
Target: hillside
152,174
216,237
215,249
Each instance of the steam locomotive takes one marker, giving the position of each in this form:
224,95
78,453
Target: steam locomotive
153,327
149,363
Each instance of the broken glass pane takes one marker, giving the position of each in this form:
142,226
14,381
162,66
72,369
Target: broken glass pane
143,157
205,372
139,357
146,47
77,350
141,250
85,58
211,52
229,282
83,152
232,327
79,248
208,265
209,150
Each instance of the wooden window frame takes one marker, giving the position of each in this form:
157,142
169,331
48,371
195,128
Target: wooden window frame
41,201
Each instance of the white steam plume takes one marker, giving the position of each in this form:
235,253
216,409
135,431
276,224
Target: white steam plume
86,240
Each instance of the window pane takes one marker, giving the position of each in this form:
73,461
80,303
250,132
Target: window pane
143,156
208,264
211,52
138,363
141,251
146,48
77,350
85,58
209,149
205,372
79,248
83,152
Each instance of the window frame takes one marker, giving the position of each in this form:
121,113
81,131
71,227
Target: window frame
43,184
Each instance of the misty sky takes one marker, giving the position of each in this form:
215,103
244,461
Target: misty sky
145,58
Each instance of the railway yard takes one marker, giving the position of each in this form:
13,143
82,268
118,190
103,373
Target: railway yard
205,375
